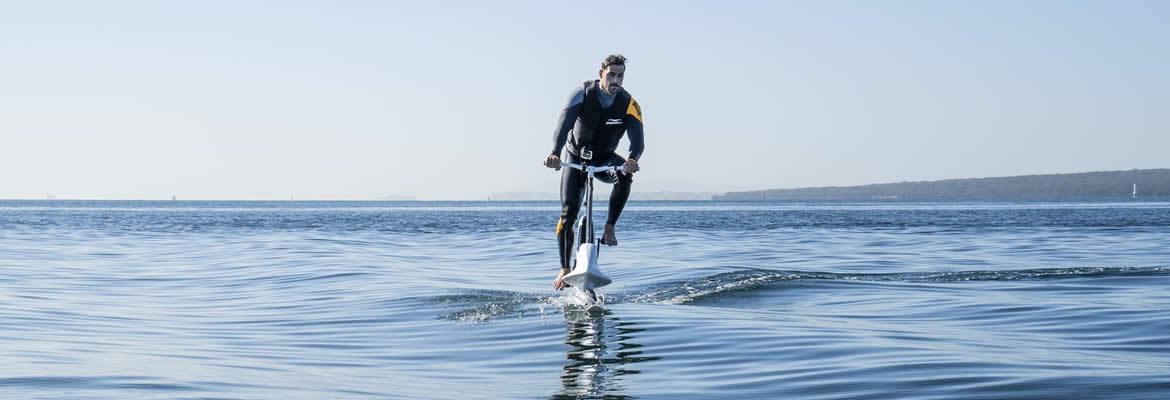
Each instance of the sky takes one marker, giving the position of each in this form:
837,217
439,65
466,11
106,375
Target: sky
352,100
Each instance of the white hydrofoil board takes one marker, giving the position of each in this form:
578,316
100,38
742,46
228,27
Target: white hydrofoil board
586,274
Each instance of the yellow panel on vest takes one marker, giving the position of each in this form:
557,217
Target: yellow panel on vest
634,110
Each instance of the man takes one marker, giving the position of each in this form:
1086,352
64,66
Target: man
598,113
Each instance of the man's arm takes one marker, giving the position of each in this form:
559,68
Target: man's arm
568,117
634,129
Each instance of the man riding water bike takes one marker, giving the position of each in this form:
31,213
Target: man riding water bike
598,113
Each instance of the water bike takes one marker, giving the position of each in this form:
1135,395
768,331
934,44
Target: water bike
586,274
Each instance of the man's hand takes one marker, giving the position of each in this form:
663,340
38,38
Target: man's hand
631,166
553,162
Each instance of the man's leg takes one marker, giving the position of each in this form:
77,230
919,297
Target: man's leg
617,202
572,183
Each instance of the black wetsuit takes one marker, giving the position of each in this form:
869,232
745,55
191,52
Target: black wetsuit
597,121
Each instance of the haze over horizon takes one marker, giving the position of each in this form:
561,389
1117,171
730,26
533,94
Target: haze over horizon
279,100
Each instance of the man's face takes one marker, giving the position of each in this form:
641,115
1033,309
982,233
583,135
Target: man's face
611,78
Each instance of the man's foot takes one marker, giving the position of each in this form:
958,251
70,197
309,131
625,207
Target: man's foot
609,237
559,283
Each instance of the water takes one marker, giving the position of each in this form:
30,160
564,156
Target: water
417,300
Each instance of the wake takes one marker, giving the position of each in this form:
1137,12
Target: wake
487,305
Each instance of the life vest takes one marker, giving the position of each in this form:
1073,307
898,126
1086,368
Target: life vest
599,130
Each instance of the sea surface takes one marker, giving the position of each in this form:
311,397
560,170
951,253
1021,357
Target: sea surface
443,300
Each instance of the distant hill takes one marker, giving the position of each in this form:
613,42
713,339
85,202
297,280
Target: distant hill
1152,184
397,197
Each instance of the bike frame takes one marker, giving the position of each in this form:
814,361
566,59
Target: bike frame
585,234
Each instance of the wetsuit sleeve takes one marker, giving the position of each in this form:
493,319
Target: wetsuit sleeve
634,129
568,117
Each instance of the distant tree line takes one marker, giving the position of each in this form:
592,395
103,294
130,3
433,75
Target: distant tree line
1152,184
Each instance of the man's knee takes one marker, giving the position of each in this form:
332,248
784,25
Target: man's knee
566,220
618,178
569,211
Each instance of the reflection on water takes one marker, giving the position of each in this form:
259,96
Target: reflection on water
601,351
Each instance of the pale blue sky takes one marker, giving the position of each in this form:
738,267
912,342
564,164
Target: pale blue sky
457,100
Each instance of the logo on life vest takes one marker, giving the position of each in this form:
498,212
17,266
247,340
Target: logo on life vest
613,121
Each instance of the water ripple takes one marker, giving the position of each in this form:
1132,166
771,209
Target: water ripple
255,300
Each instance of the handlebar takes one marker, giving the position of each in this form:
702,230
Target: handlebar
592,169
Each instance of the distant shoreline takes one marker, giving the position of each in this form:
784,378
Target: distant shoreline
1108,186
1152,185
602,201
